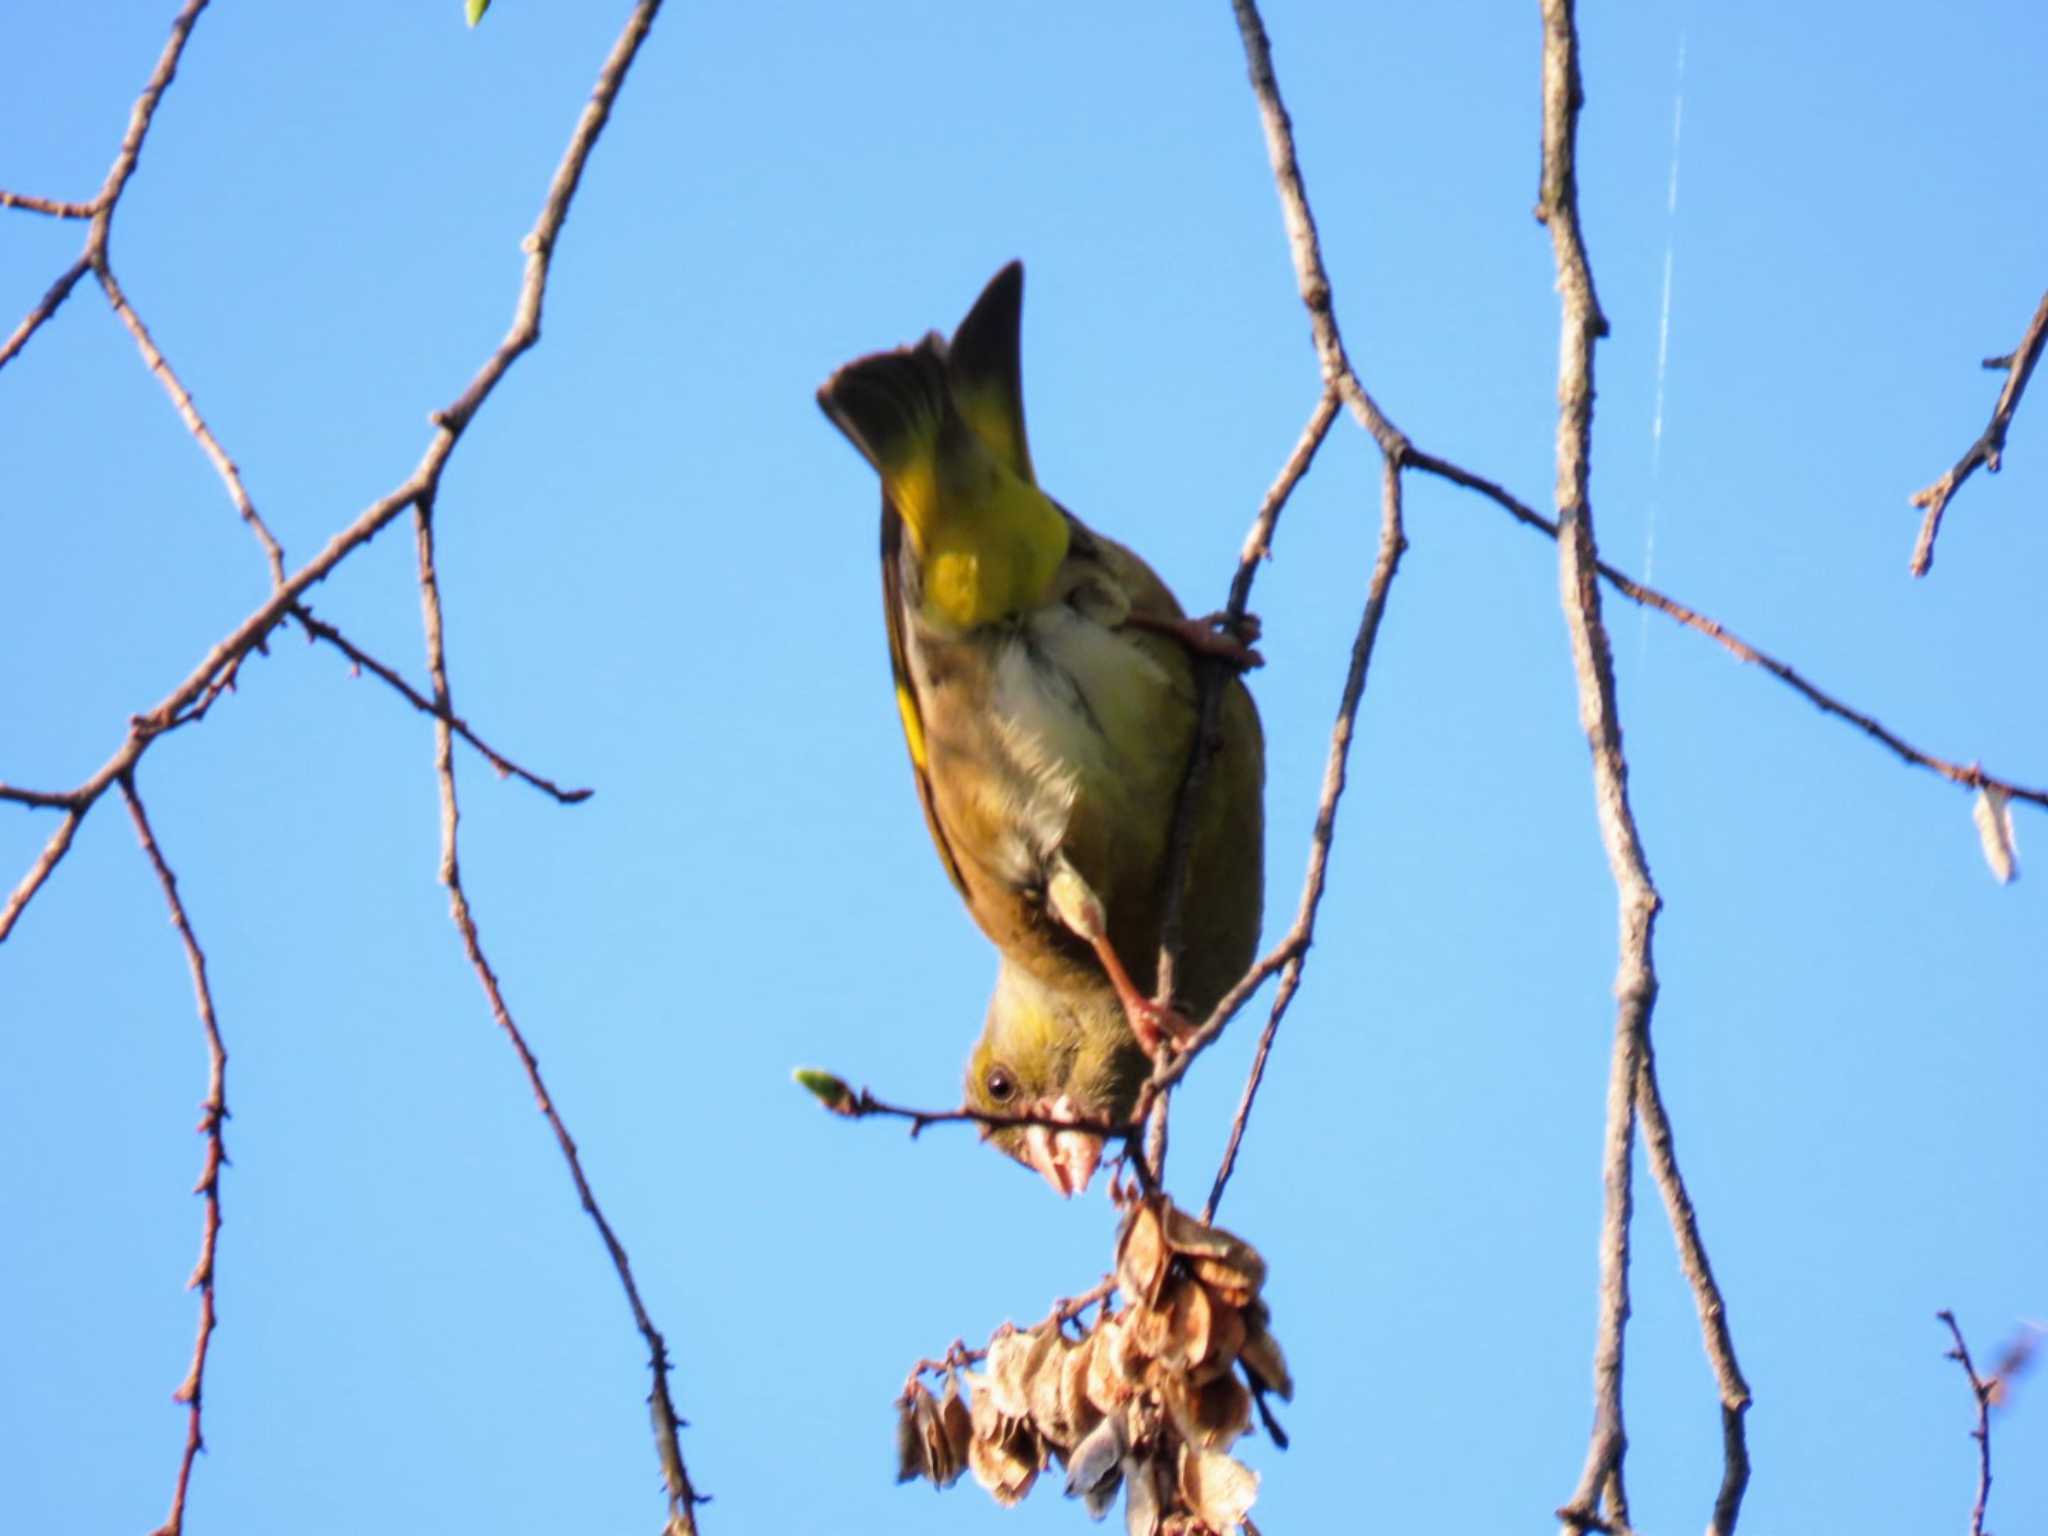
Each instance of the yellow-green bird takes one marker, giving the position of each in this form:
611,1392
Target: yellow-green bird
1047,690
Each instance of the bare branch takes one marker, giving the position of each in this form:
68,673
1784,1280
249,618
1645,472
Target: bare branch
1968,775
55,208
58,292
864,1105
38,872
1302,242
958,1356
2019,367
215,672
1210,679
101,209
1393,540
213,1117
319,629
1984,1391
1601,1493
682,1497
181,401
1699,1273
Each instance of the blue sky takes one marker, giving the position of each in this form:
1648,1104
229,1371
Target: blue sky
658,562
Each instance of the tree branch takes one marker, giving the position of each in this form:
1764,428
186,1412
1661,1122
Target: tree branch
54,207
1984,1391
1393,540
682,1497
319,629
213,1115
188,412
1699,1274
215,672
101,209
1968,775
2019,367
1601,1492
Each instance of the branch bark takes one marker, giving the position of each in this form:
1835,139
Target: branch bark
1601,1498
1990,444
213,1116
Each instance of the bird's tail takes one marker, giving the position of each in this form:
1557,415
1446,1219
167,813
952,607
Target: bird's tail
901,408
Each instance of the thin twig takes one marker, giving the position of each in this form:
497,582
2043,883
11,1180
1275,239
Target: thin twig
1393,540
1968,775
192,697
1699,1273
864,1105
1601,1492
101,209
212,1119
2019,367
1302,242
682,1496
40,871
958,1355
188,412
1984,1391
56,208
1340,383
317,628
56,294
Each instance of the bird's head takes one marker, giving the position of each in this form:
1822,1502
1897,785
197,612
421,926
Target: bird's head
1066,1054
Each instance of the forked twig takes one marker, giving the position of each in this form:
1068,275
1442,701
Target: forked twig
682,1496
1985,1392
1990,444
1393,540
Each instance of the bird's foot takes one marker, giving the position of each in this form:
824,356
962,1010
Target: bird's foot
1211,635
1153,1022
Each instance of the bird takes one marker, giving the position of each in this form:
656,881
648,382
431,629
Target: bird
1046,681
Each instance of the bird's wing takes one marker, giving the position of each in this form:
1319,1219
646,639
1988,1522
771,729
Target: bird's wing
907,704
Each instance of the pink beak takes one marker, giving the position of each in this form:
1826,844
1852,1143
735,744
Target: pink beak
1066,1158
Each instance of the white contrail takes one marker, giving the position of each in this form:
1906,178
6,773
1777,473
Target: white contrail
1663,335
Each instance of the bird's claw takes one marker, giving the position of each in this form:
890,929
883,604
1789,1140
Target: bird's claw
1213,635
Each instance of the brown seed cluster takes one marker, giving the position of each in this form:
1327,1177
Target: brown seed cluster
1148,1401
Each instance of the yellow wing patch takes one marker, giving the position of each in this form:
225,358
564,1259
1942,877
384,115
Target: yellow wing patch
913,727
906,692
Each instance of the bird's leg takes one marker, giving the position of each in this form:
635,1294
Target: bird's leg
1075,904
1210,635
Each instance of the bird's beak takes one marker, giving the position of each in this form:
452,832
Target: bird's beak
1066,1158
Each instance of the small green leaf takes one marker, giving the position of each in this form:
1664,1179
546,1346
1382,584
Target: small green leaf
829,1091
474,10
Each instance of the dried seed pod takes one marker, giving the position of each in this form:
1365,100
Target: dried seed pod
1234,1283
1144,1500
1184,1234
956,1425
931,1437
1095,1470
1261,1354
1006,1466
1150,1329
1226,1338
1114,1367
1142,1256
1211,1415
1217,1488
1045,1389
909,1442
1013,1359
1193,1318
1077,1409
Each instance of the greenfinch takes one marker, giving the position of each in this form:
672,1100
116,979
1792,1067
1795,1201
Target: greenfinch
1045,679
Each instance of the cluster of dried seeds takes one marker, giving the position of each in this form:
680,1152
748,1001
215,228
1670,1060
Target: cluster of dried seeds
1148,1401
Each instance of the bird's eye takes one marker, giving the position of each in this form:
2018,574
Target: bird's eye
1001,1086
